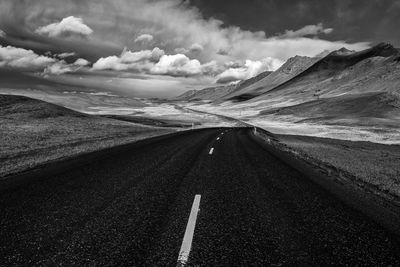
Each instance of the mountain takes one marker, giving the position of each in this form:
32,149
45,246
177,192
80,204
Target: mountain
342,72
211,93
345,93
219,92
290,69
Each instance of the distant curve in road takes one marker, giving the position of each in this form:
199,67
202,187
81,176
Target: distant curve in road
131,208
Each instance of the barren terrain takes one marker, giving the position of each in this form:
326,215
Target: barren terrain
34,132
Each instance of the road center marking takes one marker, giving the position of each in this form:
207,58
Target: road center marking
188,238
211,151
217,138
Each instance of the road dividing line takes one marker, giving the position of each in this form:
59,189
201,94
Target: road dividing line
211,151
188,238
217,138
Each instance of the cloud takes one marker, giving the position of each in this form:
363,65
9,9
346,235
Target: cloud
307,30
23,59
2,33
151,55
110,63
175,24
128,60
196,48
177,65
66,27
58,68
65,55
248,70
144,38
158,63
81,62
282,49
28,61
212,68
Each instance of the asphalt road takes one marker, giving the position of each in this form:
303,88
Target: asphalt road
131,209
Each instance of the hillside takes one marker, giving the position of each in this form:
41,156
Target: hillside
292,67
369,109
211,93
339,69
34,132
219,93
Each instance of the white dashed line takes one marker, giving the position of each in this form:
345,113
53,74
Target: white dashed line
211,151
188,237
217,138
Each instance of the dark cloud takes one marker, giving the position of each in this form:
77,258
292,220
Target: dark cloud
352,20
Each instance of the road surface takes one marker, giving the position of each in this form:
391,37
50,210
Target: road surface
131,208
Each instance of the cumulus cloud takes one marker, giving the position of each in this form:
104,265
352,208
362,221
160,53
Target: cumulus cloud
128,60
24,59
58,68
81,62
144,38
181,50
248,70
212,68
66,27
110,63
307,30
157,62
177,65
28,61
196,48
150,55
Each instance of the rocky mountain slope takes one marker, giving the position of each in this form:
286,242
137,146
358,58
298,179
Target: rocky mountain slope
211,93
373,70
292,67
219,93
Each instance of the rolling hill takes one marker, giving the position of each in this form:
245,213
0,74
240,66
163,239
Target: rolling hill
34,132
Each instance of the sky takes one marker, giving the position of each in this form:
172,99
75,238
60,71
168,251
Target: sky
151,48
